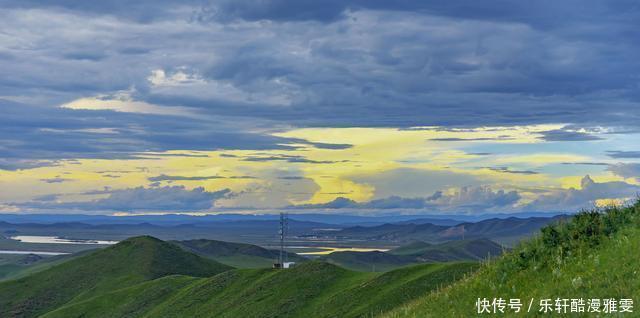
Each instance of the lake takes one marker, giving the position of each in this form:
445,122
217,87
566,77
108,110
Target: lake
32,252
58,240
328,250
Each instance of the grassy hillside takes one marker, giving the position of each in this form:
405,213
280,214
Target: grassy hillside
313,289
474,249
15,266
415,247
12,263
416,253
125,264
374,261
238,255
594,255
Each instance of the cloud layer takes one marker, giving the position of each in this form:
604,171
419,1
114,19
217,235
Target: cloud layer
171,198
505,92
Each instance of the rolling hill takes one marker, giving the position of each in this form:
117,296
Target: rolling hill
10,264
238,255
374,261
594,255
473,249
416,253
586,256
312,289
125,264
17,266
411,248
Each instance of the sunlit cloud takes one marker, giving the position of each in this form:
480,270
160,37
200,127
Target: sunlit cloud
123,102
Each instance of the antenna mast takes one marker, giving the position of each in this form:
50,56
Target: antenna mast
284,224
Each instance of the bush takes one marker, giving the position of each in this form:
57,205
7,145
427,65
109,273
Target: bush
562,240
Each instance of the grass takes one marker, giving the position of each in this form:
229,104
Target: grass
416,253
239,255
374,261
458,250
412,248
130,262
313,289
592,255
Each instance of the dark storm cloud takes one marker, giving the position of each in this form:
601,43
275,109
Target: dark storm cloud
573,199
586,163
290,158
393,202
466,198
175,198
508,170
17,164
44,135
471,139
187,155
566,135
292,178
164,177
623,154
626,170
533,13
305,63
55,180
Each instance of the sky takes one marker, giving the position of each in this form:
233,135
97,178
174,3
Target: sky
352,106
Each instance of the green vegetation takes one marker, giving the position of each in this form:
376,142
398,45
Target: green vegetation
592,255
415,247
416,253
13,266
313,289
239,255
461,250
374,261
128,263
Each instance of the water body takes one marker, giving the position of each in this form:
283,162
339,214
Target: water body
32,252
329,250
57,240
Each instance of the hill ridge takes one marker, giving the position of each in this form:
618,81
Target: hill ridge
127,263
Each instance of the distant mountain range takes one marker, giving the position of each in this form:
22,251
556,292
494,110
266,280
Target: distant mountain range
505,231
327,218
264,232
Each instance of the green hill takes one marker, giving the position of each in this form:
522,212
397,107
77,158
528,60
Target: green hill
125,264
238,255
462,250
416,253
10,264
411,248
374,261
312,289
593,255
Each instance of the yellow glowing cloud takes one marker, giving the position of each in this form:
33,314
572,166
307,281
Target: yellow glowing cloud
373,151
611,202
